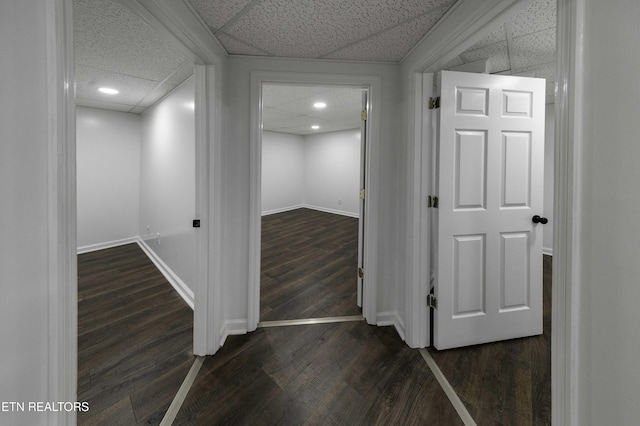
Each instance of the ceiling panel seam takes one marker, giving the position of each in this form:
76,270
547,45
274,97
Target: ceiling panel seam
445,6
266,52
508,33
239,15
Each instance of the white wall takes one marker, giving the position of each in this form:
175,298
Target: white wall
332,172
167,181
283,164
608,249
24,213
316,171
549,147
108,175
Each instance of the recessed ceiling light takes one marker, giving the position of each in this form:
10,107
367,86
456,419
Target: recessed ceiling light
315,127
108,90
319,105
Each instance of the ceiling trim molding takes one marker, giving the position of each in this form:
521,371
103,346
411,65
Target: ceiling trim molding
461,27
176,21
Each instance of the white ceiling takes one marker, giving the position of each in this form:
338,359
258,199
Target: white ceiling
289,109
115,48
367,30
526,45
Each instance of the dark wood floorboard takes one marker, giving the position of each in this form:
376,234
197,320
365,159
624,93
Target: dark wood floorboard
309,265
509,382
335,374
134,338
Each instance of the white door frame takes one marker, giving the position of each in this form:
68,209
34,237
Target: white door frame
567,171
373,84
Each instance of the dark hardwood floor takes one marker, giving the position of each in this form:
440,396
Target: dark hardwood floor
134,338
309,265
135,349
505,383
335,374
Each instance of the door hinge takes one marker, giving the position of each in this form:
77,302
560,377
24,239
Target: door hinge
363,115
434,103
362,194
432,302
432,201
360,273
196,223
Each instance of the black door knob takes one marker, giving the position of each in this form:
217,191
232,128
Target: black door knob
538,219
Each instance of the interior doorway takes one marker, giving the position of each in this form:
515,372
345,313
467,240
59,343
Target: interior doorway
312,224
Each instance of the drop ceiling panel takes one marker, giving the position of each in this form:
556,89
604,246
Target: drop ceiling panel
115,48
88,80
238,47
215,13
309,28
106,44
497,53
534,48
541,15
274,95
494,36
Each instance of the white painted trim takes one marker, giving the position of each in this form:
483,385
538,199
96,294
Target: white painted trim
282,210
62,274
233,328
309,206
448,389
547,251
374,85
388,318
208,309
333,211
107,244
176,404
565,329
180,286
176,21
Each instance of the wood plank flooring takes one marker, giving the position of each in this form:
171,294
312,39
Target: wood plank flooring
339,374
309,265
135,349
509,382
134,338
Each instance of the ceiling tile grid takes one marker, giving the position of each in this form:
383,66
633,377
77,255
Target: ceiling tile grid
391,45
534,48
216,13
289,108
313,28
541,15
114,48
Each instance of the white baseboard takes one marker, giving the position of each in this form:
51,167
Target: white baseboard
308,206
101,246
183,290
391,318
547,251
327,210
231,328
282,210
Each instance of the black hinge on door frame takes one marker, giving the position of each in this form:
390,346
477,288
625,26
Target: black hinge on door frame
432,201
432,302
434,103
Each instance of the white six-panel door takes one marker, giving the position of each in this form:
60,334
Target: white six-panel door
488,277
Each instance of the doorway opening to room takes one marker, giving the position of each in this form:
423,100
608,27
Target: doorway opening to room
312,202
